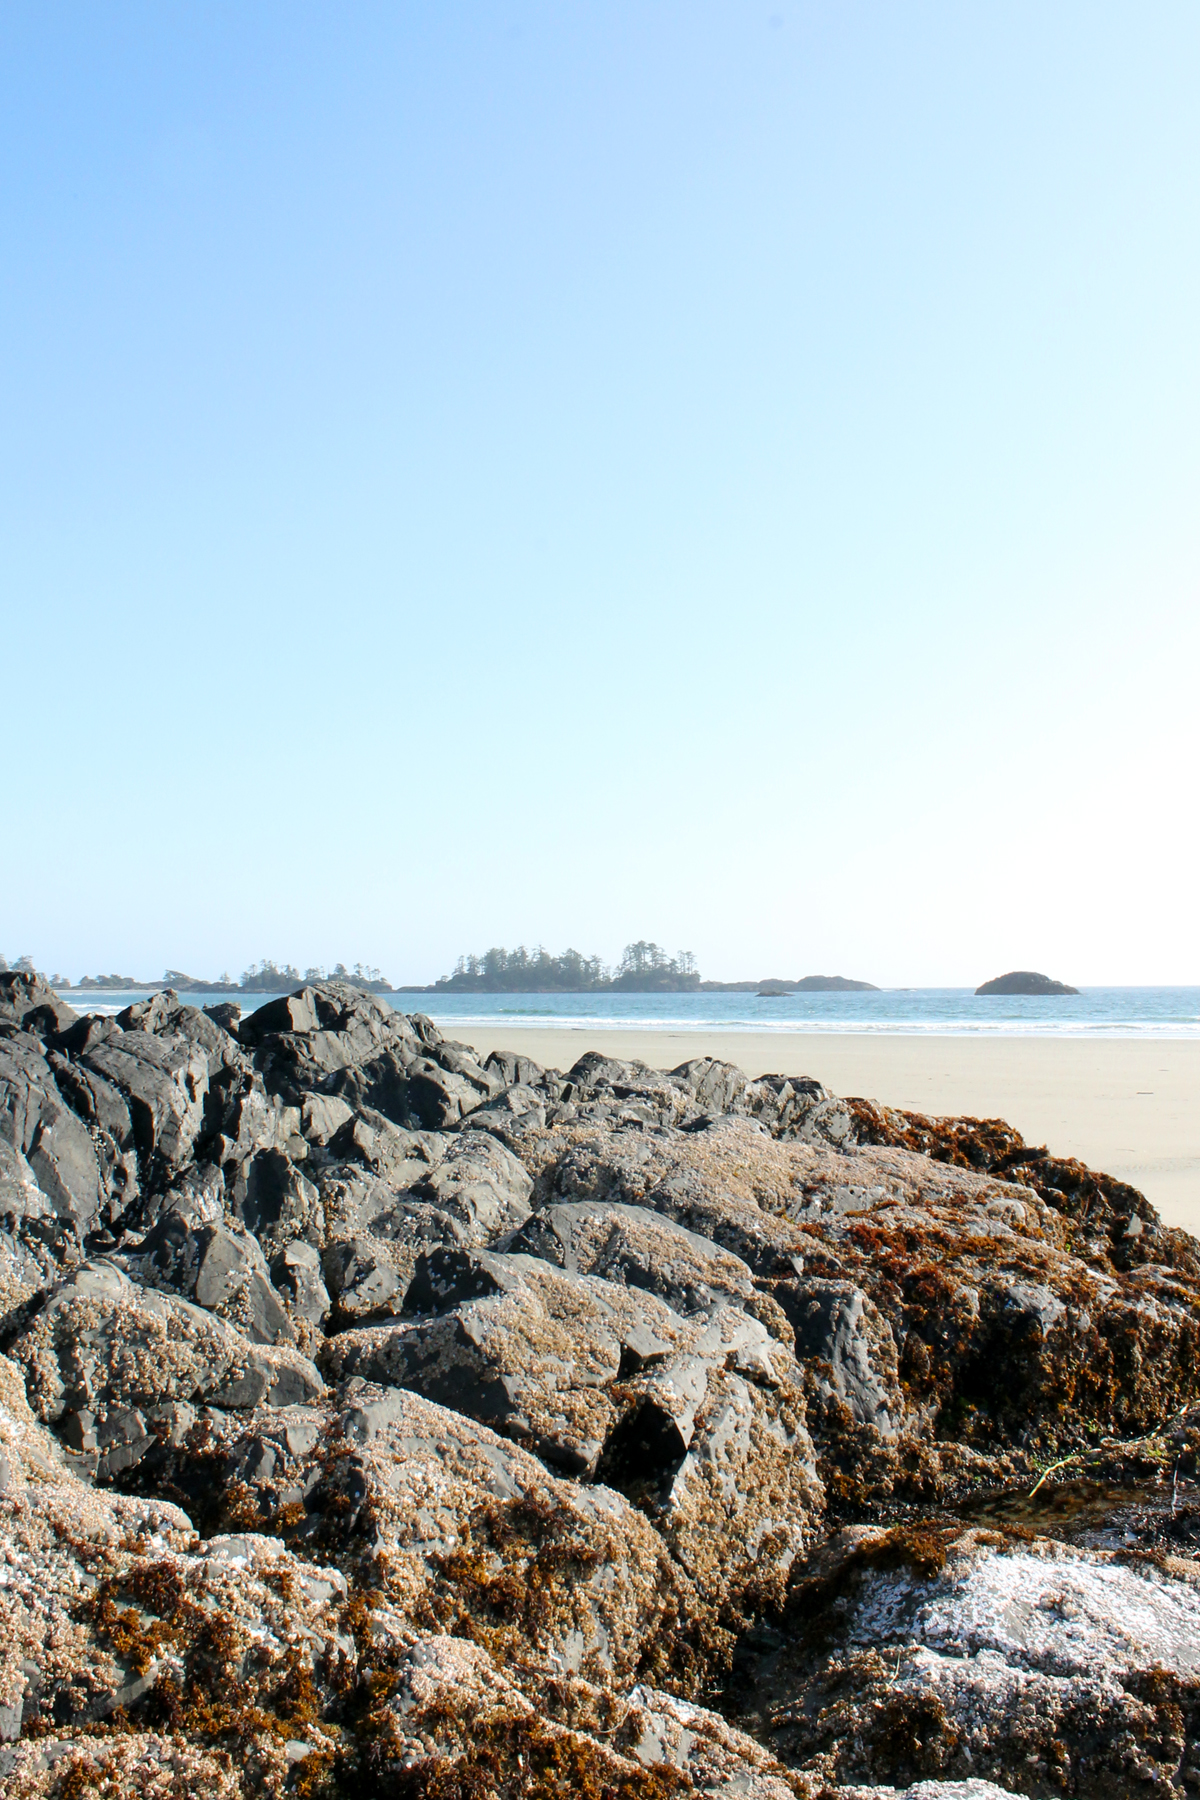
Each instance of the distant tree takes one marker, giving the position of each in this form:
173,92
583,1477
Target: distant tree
314,974
644,966
642,958
25,965
270,978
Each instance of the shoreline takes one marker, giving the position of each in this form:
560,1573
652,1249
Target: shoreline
1128,1106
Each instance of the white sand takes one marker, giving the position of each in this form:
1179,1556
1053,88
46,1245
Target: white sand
1130,1107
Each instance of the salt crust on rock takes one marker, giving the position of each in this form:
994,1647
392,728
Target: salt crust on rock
926,1790
1016,1655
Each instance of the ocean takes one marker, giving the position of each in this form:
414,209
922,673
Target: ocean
1115,1012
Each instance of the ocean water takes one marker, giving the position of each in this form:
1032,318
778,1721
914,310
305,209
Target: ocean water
1116,1012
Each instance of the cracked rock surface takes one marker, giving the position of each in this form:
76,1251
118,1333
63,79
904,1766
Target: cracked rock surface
377,1421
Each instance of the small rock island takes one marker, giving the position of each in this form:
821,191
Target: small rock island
1024,981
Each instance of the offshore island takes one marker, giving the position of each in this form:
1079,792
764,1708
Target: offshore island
381,1417
644,968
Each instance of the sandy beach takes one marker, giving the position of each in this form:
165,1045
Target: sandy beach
1128,1106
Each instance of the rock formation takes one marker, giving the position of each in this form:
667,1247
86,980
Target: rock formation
1024,981
378,1421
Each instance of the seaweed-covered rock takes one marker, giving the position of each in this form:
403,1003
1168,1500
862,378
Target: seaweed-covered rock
111,1606
453,1722
933,1304
699,1419
447,1520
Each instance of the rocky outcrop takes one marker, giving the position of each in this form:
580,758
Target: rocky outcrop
1024,981
376,1419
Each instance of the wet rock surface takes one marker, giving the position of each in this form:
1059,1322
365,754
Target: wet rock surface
379,1421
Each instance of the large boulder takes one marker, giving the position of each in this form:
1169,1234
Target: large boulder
163,1081
700,1420
302,1040
448,1522
111,1363
949,1324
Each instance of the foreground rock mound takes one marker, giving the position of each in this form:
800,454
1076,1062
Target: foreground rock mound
377,1420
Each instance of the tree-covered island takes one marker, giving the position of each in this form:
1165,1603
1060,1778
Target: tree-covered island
644,968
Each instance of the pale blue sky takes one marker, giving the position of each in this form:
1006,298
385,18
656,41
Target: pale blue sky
480,473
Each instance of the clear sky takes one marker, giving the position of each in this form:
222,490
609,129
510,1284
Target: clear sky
480,473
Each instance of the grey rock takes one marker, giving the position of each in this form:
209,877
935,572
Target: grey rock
361,1278
55,1144
268,1375
512,1069
660,1730
437,1096
511,1115
929,1790
638,1248
246,1119
463,1191
515,1345
296,1274
481,1184
1027,1307
111,1439
672,1173
165,1015
31,1003
164,1082
400,1158
697,1419
1015,1655
227,1014
278,1203
716,1087
223,1271
837,1324
323,1116
21,1199
322,1031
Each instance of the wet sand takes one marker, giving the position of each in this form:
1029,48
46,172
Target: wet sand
1128,1106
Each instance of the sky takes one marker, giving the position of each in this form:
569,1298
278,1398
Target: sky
490,473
